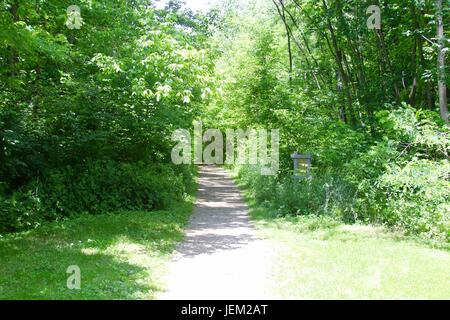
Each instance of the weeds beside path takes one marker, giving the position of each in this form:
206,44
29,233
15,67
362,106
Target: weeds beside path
121,256
319,258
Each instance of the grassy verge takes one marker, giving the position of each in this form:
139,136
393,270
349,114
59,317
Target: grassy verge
320,258
121,256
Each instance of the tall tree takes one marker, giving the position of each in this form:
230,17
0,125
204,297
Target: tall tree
441,62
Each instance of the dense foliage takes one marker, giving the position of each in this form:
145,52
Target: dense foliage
86,114
363,102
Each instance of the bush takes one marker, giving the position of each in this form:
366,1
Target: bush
418,196
262,187
21,211
319,195
402,180
103,186
94,188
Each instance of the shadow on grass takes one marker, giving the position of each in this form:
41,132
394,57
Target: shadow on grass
329,259
121,256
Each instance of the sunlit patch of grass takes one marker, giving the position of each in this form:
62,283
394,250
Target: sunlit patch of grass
121,256
322,258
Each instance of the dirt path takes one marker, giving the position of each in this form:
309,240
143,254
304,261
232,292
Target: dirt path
221,257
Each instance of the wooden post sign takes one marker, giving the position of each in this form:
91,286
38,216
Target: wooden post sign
302,165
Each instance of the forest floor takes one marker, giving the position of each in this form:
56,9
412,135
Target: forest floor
221,256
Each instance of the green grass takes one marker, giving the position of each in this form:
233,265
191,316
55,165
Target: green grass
121,256
321,258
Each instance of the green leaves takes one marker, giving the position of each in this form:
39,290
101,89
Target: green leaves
103,99
106,64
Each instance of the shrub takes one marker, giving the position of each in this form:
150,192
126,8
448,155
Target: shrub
103,186
319,195
417,198
21,211
94,188
402,180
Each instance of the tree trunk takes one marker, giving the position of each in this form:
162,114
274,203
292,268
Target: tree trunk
338,54
429,95
429,92
288,34
14,58
441,63
282,10
385,58
414,69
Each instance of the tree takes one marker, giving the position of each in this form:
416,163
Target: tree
441,62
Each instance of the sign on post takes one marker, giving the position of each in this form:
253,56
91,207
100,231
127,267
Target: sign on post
302,165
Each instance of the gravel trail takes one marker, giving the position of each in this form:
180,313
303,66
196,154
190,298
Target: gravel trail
221,256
